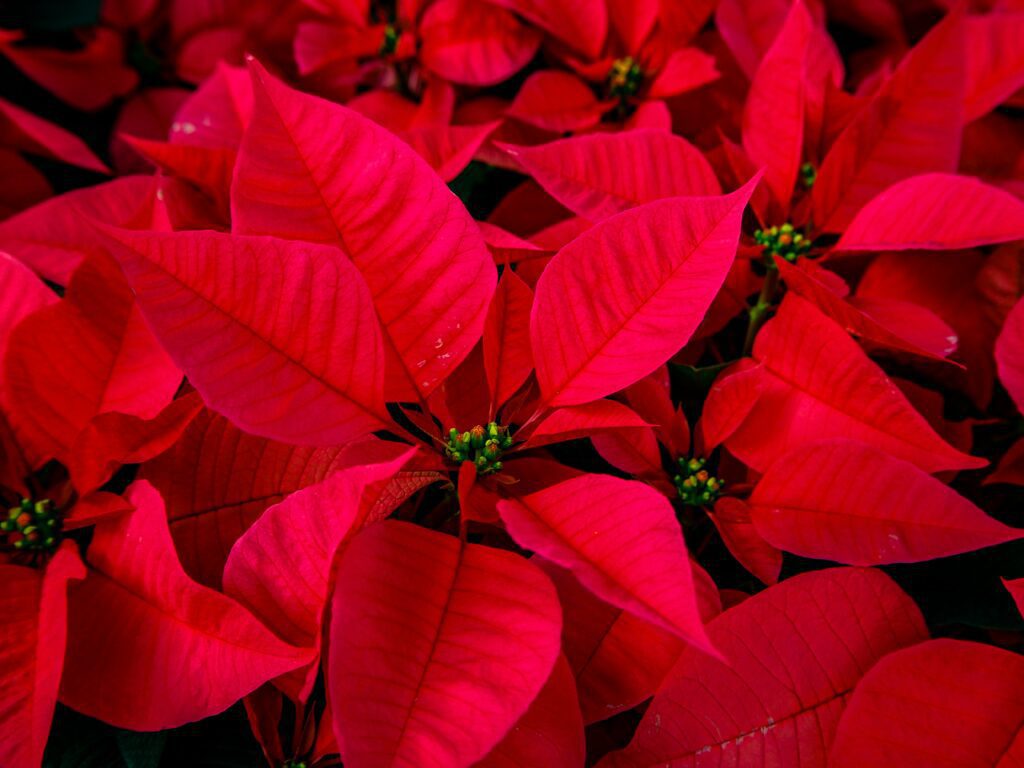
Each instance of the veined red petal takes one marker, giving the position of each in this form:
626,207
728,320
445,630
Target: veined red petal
303,173
843,501
621,539
310,375
935,212
33,632
942,703
603,174
820,384
626,295
793,654
437,647
149,648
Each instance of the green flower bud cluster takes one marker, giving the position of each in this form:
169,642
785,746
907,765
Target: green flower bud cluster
808,174
696,487
481,445
390,43
624,78
32,527
783,241
294,764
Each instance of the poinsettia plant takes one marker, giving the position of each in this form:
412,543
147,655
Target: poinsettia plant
513,383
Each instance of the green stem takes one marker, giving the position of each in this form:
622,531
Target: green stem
759,312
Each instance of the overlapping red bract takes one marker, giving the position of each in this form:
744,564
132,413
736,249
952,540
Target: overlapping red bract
429,487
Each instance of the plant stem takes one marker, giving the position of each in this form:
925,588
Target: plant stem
759,312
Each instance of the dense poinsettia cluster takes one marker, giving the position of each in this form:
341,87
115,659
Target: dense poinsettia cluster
516,382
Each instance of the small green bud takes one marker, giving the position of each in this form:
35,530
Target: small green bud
32,526
783,241
808,174
624,78
695,484
482,445
390,43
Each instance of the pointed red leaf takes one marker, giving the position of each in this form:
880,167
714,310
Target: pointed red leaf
793,655
621,539
651,115
28,132
280,569
218,480
113,439
619,660
475,501
731,517
944,703
563,19
89,354
214,300
953,286
556,101
748,28
217,113
449,148
150,649
901,326
304,172
911,125
632,21
1009,353
773,117
922,329
551,731
437,647
626,295
820,384
995,61
148,114
651,398
682,21
684,70
95,507
398,113
602,174
53,238
578,422
1011,466
507,248
635,451
508,358
1016,589
23,294
474,43
730,400
33,632
842,501
935,211
87,78
208,168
